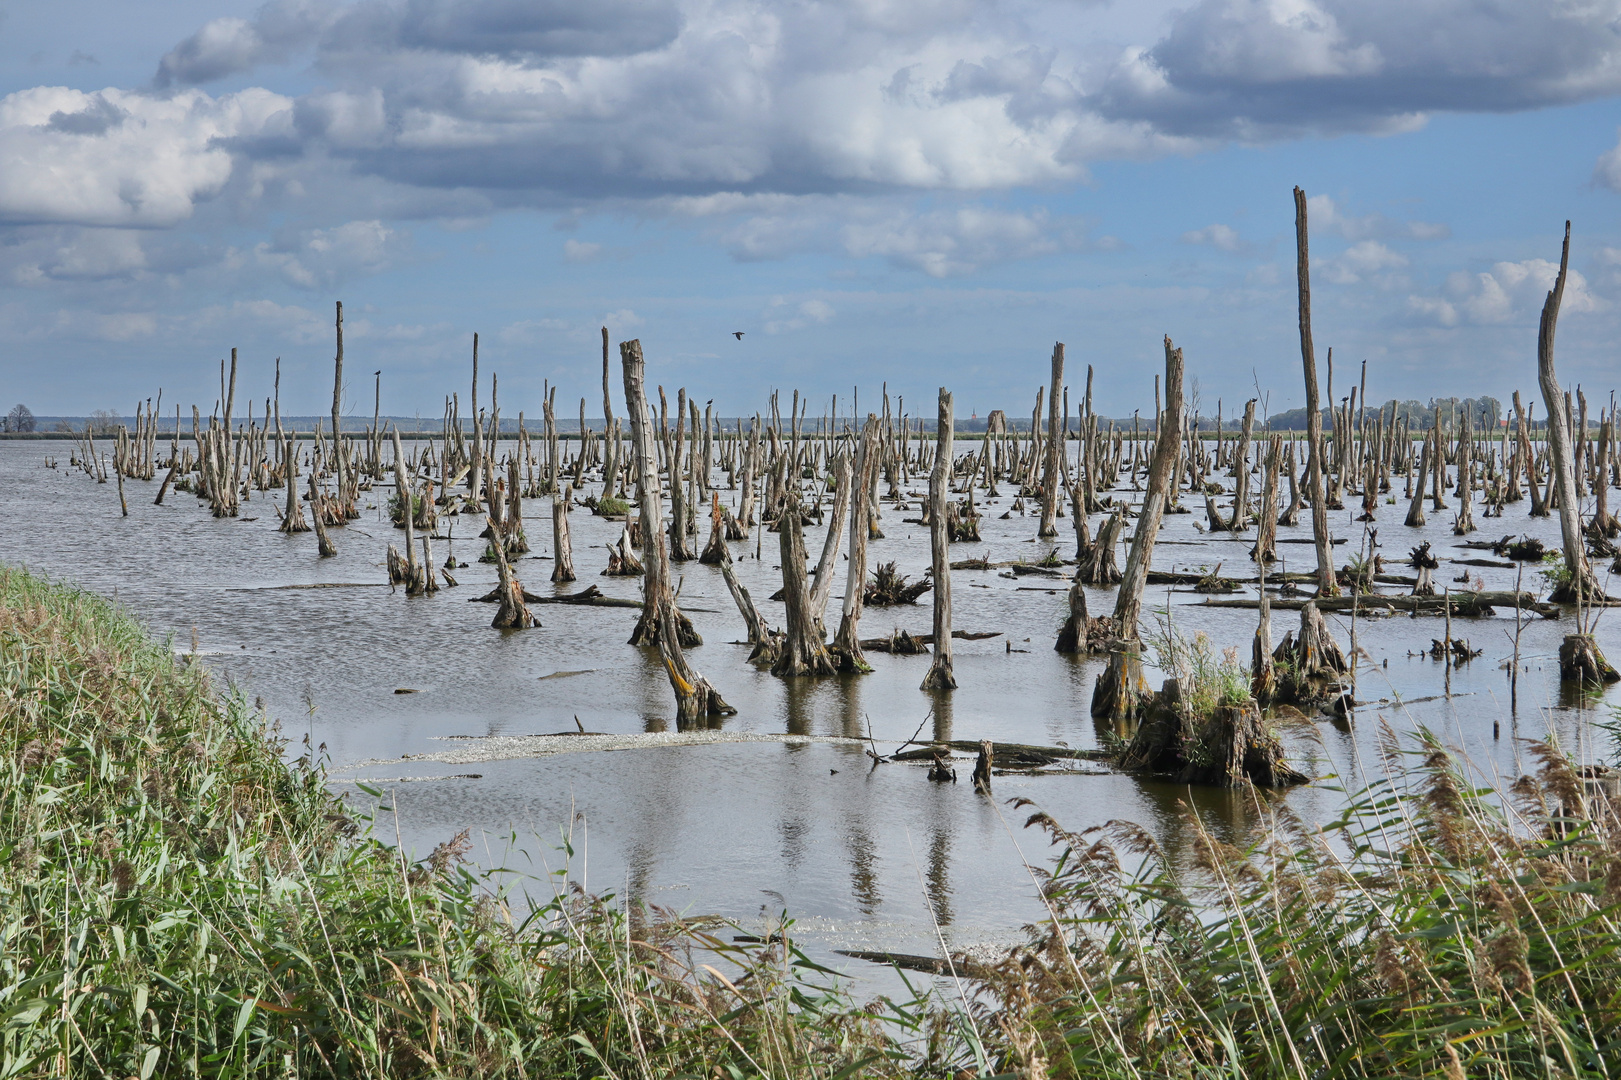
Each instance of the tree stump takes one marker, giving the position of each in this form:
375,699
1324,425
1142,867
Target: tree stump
1580,660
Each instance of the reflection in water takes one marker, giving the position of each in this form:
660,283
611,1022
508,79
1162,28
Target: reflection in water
942,715
798,695
938,876
816,822
863,864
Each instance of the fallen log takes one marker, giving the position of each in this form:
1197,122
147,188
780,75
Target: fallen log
882,644
1463,604
587,597
1008,755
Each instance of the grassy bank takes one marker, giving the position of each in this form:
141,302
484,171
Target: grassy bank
176,901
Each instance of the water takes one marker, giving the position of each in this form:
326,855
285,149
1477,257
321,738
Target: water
863,857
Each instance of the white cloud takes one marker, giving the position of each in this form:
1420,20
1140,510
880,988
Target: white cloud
319,258
782,316
120,158
1511,293
1221,237
1608,169
1362,260
951,242
1324,215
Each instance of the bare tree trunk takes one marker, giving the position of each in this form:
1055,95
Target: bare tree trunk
610,447
1326,585
1466,514
660,622
1415,509
1121,687
1581,584
1055,448
823,587
940,676
562,547
804,652
1241,471
847,642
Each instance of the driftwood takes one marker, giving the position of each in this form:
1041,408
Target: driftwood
1463,604
921,641
889,587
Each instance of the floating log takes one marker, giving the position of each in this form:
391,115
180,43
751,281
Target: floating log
1463,604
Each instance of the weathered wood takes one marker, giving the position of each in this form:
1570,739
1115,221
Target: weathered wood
660,623
1581,584
1120,688
1055,450
941,676
562,545
846,647
1326,585
803,652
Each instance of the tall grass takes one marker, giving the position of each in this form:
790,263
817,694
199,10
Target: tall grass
1434,929
175,900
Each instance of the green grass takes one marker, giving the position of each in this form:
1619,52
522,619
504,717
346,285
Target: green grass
176,900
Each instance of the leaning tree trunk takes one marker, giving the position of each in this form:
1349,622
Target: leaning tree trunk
940,676
823,586
1415,509
1581,584
1326,585
511,614
1121,687
661,622
847,642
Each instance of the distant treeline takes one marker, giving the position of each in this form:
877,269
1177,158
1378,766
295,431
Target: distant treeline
1485,413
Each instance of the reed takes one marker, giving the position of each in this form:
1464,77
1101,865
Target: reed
1434,929
176,899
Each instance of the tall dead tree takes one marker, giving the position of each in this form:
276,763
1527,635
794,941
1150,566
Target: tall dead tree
1314,416
1055,450
661,623
940,676
1580,584
1121,687
864,482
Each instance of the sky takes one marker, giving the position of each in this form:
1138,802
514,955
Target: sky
920,193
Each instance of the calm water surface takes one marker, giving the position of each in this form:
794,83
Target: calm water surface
862,857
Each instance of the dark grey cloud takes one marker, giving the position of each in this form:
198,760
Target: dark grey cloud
508,28
95,119
1275,68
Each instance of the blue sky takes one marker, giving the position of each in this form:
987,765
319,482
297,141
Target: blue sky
871,190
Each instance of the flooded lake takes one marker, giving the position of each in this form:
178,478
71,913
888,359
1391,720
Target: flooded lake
862,856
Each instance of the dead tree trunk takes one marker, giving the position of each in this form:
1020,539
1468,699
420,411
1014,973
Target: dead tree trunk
562,546
1314,416
511,614
803,650
767,643
864,479
1121,687
1580,584
1415,509
323,543
661,622
823,586
940,676
1055,448
1466,514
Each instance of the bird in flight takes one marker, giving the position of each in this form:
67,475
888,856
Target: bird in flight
738,334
